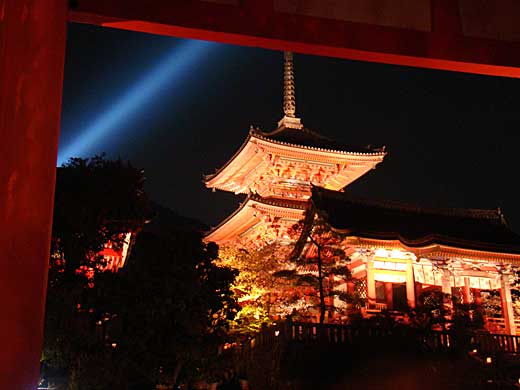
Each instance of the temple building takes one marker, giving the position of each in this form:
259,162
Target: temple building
402,250
277,170
115,257
398,251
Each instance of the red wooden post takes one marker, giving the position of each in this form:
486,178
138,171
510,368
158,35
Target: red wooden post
32,51
389,293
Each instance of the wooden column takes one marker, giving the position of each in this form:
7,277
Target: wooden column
507,304
466,293
446,281
32,52
410,285
418,291
446,287
478,296
371,284
389,295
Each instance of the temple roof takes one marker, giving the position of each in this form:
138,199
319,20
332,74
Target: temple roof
254,166
254,217
285,162
305,137
415,226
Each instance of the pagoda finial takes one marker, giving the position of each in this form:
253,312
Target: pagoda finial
289,99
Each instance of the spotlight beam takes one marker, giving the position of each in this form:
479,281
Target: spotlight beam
168,71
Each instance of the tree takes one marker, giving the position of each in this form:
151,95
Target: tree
174,305
160,317
319,246
256,287
96,201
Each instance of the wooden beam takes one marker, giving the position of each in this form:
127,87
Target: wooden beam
442,38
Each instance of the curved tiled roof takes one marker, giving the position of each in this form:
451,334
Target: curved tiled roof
307,138
300,138
286,203
416,226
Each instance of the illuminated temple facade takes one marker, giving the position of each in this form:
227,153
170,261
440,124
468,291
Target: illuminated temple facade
399,251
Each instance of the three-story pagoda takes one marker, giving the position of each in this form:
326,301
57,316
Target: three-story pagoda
277,171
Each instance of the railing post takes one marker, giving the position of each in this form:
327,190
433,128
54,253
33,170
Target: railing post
288,329
507,304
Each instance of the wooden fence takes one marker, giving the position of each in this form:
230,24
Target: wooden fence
302,332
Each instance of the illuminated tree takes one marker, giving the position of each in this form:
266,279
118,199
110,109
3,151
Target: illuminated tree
255,286
320,263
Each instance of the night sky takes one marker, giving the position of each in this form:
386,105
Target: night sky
452,138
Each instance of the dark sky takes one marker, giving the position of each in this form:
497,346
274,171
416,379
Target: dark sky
452,138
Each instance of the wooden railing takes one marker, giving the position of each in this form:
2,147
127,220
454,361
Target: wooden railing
497,325
436,341
377,307
333,333
488,342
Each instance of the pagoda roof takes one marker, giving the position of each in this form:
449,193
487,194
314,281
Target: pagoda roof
253,212
415,226
306,138
295,143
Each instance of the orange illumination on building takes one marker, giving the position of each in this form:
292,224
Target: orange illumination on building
397,250
278,169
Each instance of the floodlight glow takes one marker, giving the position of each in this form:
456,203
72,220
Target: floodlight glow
170,70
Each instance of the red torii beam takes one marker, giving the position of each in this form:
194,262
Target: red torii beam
457,35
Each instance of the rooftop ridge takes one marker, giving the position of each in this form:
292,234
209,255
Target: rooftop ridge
481,214
279,202
266,137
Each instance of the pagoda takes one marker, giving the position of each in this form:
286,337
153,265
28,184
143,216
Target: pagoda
398,253
277,170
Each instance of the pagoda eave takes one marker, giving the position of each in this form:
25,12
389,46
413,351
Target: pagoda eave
265,160
256,216
495,255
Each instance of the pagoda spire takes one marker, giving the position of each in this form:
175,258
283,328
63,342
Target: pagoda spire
289,100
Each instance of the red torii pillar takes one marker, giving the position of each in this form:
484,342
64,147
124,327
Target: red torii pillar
32,51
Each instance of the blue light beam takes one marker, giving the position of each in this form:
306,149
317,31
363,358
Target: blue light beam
169,70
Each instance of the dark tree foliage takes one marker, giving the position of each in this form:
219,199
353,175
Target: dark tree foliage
161,316
95,201
174,307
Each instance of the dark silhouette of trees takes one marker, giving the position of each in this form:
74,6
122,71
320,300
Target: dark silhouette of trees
161,317
96,200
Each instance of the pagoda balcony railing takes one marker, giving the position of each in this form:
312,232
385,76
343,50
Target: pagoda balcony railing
435,341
